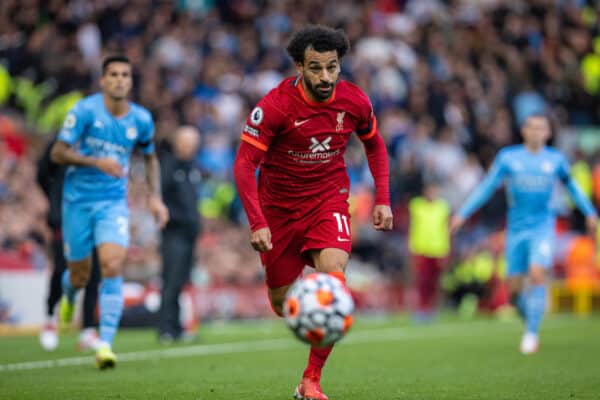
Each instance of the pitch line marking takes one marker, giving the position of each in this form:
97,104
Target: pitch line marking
406,333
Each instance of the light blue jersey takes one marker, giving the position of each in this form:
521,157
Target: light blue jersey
530,179
95,132
94,203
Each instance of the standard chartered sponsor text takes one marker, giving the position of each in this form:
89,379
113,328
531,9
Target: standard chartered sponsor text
314,156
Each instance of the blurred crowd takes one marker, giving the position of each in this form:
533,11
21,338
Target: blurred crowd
450,82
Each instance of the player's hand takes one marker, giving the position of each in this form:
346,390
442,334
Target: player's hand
592,225
456,222
261,240
159,211
110,167
382,218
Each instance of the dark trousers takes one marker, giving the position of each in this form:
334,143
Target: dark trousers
55,291
177,252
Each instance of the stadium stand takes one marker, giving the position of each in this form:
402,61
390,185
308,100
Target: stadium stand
450,82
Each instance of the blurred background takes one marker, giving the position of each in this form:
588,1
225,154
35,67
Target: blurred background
450,82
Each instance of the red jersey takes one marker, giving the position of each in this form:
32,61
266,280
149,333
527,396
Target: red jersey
305,142
300,145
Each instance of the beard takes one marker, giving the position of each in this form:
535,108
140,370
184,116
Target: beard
320,91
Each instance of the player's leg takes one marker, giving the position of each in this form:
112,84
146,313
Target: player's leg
535,296
328,244
536,293
49,333
517,296
277,297
331,261
284,263
517,259
111,235
77,240
74,278
111,257
88,337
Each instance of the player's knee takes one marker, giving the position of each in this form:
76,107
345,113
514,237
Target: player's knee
277,298
277,308
330,260
332,265
79,273
79,279
277,305
537,275
111,266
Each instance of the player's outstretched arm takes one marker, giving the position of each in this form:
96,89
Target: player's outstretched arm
62,153
580,199
481,195
156,205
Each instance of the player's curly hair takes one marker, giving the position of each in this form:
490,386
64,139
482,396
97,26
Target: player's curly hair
319,37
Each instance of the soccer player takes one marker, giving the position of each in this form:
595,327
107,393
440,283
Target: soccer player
98,136
298,211
530,172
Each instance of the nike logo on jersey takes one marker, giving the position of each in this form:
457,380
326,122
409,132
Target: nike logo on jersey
297,123
98,124
341,239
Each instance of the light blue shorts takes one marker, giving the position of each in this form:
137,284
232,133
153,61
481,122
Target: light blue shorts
86,225
527,248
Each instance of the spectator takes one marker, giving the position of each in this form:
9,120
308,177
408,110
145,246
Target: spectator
460,75
180,187
429,244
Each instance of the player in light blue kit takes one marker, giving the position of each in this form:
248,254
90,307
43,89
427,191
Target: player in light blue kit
530,172
98,136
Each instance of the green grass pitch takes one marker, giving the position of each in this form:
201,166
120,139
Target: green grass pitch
382,358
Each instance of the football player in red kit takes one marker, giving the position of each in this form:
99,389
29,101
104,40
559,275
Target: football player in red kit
298,209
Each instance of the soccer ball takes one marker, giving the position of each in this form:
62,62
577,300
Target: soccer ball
318,309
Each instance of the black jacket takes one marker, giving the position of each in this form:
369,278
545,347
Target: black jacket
50,177
179,181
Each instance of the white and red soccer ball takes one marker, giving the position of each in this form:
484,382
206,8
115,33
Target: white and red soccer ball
318,309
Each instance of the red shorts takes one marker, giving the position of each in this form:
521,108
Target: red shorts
325,227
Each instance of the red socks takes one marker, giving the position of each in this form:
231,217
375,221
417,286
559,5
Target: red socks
316,361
